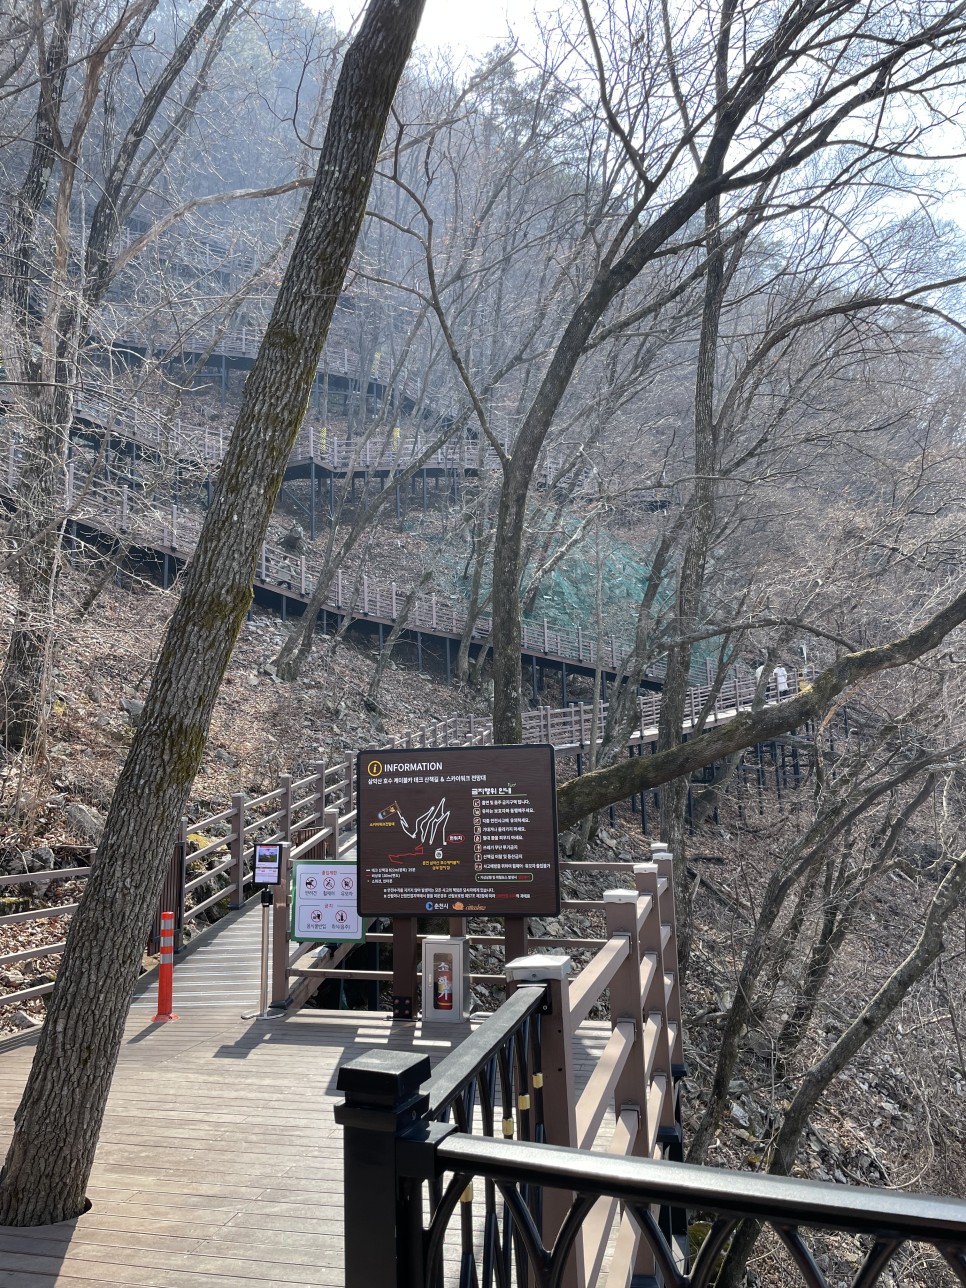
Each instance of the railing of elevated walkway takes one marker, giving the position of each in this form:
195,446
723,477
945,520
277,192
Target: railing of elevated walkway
107,507
211,866
498,1171
514,1078
167,538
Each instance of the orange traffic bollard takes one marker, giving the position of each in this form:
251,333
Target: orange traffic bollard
166,969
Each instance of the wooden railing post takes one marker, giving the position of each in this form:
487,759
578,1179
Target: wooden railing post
674,1221
280,949
236,848
330,820
665,866
177,895
559,1093
318,797
405,951
172,893
656,980
285,822
626,912
626,1003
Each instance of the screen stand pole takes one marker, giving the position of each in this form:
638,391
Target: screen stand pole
263,1013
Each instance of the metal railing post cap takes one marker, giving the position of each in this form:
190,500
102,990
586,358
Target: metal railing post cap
645,869
383,1078
620,896
658,846
538,969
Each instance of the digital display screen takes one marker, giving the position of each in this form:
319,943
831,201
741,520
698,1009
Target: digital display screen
268,863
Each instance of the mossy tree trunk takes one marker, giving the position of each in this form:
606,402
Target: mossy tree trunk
59,1118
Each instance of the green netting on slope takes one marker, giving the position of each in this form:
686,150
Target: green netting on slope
567,597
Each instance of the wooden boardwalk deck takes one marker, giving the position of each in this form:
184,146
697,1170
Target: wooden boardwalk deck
220,1164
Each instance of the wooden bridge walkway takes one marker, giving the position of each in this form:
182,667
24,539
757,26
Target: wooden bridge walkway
220,1164
217,971
102,508
285,582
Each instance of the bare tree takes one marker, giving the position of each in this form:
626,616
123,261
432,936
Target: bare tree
705,155
49,314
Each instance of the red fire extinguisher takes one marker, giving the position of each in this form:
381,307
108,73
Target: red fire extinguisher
443,981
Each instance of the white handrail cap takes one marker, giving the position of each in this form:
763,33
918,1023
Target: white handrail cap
538,968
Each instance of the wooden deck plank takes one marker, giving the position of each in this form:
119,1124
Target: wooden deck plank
139,1265
69,1274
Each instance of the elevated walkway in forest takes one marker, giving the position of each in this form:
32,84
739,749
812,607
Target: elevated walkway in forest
284,582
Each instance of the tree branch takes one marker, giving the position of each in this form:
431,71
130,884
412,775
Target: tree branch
603,787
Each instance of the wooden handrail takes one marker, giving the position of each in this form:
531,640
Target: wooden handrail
594,978
47,875
599,1091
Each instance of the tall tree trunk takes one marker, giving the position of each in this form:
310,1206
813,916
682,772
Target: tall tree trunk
37,530
623,708
24,682
690,592
50,316
59,1118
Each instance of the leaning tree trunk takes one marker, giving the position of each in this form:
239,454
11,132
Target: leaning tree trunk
58,1121
398,626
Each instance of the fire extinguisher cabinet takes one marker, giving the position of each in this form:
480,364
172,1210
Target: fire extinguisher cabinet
446,979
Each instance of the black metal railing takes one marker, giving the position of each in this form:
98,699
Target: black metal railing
398,1150
495,1071
501,1055
888,1218
490,1085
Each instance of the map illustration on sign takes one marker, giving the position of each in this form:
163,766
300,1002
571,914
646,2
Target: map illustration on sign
461,829
426,829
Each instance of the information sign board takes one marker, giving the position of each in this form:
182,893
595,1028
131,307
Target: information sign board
268,863
458,830
324,902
